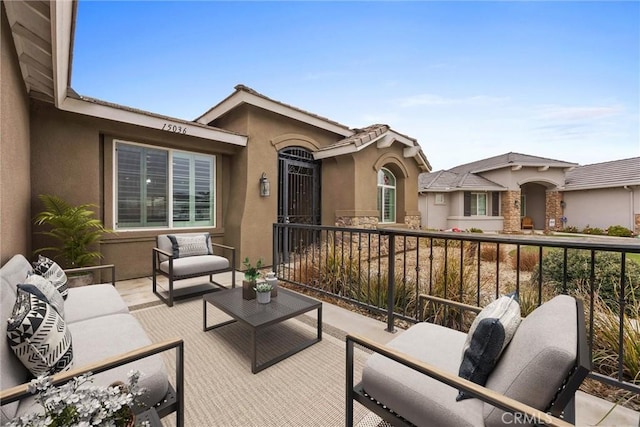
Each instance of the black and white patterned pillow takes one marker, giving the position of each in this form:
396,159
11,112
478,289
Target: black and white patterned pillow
194,245
49,291
490,332
39,336
51,271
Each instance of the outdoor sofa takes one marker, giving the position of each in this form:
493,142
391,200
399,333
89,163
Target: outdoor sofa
414,379
106,340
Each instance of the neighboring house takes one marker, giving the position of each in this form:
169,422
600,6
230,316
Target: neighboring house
496,193
148,173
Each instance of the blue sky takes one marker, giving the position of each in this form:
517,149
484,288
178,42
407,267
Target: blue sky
468,80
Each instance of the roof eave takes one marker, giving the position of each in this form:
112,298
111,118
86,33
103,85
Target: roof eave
242,97
97,109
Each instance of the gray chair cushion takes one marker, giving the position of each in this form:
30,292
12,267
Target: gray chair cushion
87,302
538,359
194,265
419,398
12,371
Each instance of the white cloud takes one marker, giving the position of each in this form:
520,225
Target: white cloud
559,112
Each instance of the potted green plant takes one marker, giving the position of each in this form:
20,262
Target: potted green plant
263,292
251,274
74,228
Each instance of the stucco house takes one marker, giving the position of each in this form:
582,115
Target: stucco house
496,193
248,162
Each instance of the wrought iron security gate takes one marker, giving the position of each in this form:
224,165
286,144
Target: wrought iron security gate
298,195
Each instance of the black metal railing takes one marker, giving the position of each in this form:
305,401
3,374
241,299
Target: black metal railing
386,270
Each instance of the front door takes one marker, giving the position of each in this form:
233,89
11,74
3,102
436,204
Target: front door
298,195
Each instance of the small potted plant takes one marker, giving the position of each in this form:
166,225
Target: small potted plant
251,274
75,229
263,292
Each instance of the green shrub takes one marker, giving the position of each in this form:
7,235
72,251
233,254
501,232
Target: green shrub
593,230
619,231
474,230
570,229
607,273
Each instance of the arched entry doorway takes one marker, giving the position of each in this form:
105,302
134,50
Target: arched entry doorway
298,197
298,187
533,203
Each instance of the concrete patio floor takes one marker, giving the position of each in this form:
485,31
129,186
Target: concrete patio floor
589,409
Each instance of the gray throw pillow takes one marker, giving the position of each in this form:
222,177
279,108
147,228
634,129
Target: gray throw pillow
488,336
192,245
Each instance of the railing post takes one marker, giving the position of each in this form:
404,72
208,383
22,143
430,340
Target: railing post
391,282
274,248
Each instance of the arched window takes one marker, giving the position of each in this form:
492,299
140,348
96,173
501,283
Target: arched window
386,196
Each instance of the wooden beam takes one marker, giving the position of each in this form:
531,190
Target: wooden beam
32,37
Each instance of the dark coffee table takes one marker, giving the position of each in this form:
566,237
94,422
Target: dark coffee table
286,305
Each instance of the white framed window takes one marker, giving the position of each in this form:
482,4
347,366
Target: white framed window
439,199
157,187
386,196
478,203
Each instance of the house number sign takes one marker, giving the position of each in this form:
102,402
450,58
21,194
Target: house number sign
173,128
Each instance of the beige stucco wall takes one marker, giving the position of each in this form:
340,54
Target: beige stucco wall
434,216
513,179
602,208
348,182
15,183
250,224
73,158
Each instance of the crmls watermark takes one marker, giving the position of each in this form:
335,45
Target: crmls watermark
520,418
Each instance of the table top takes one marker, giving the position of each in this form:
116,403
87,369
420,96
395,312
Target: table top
284,306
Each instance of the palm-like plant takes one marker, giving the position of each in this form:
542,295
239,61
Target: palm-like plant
74,227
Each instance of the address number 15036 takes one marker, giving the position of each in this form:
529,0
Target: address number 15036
174,128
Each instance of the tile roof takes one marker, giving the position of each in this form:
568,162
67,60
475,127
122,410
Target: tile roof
445,181
509,160
615,173
360,137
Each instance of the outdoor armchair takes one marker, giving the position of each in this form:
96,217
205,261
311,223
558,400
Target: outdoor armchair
187,255
413,380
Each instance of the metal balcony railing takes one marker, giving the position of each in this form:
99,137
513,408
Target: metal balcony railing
384,271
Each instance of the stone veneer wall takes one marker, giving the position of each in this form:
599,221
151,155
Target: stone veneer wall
637,224
553,210
412,221
366,222
510,212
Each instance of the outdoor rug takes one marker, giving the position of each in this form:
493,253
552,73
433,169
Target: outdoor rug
306,389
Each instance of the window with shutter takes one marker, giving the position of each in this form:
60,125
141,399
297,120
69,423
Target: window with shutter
148,178
386,196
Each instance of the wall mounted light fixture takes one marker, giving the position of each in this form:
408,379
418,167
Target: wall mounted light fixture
516,204
563,204
265,187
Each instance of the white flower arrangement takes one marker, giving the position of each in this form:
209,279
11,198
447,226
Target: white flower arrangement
75,406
